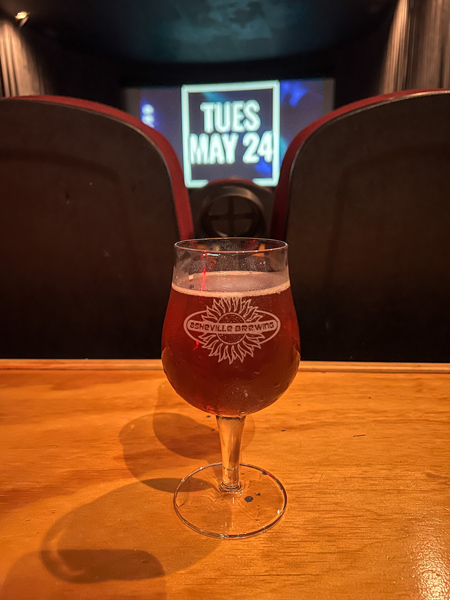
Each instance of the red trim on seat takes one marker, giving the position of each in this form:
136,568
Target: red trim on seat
180,192
281,203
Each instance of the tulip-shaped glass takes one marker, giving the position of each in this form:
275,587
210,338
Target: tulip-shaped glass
230,347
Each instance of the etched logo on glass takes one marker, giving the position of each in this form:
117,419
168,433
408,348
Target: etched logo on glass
232,328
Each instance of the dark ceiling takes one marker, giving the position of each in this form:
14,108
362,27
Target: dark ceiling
201,31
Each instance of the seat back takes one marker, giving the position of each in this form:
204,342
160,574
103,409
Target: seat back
231,208
91,203
364,203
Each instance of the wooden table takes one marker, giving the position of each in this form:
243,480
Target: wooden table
91,452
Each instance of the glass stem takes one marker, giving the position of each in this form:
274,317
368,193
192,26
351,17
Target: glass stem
230,432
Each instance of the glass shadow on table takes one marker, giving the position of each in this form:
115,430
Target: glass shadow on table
126,536
147,440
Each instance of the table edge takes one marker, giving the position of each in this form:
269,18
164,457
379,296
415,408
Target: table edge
156,365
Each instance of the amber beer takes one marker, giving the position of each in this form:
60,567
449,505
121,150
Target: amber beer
230,341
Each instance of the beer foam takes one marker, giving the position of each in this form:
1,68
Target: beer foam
233,283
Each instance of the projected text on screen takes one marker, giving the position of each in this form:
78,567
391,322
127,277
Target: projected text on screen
234,125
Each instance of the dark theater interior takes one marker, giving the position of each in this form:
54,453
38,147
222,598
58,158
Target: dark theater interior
242,207
92,50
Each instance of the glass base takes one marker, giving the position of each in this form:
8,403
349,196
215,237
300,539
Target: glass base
256,506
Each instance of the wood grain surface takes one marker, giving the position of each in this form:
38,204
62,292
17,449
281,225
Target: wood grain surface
91,452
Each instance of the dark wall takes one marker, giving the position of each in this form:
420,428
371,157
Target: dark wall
74,72
316,65
360,62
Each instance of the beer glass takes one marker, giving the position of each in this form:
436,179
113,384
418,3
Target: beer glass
230,347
